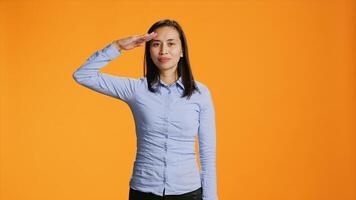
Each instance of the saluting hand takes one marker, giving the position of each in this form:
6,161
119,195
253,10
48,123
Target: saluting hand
133,41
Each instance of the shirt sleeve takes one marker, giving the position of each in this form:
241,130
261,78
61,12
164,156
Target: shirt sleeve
207,147
88,75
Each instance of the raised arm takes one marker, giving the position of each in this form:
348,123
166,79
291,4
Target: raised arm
207,147
89,75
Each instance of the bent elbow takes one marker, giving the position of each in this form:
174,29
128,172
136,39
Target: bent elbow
77,77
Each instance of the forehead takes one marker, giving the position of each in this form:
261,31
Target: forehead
166,34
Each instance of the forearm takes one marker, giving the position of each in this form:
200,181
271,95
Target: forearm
94,63
89,75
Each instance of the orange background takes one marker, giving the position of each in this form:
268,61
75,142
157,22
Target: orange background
282,76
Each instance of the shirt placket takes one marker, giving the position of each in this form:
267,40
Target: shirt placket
167,101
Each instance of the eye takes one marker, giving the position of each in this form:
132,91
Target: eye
154,44
171,43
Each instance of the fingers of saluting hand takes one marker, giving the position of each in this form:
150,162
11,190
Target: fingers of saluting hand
146,37
150,36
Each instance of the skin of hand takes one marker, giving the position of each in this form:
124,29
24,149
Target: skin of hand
133,41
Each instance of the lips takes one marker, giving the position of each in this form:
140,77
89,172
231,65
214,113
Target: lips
164,59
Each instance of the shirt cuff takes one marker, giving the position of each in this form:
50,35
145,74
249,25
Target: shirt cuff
111,51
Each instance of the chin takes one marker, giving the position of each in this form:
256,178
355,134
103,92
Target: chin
165,66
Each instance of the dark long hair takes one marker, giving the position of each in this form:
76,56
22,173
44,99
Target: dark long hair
151,72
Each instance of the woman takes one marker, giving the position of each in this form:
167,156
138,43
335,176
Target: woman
170,109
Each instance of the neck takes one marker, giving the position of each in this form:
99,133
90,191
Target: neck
169,78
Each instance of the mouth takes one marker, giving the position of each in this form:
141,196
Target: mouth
163,60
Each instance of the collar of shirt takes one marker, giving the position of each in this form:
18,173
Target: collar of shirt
179,82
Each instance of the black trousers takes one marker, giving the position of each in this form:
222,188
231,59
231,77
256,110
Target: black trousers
138,195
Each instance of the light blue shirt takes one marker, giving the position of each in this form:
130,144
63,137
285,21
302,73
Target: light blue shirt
166,129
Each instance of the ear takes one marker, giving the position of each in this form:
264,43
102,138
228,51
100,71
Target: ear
181,54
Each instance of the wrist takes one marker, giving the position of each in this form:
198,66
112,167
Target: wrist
117,45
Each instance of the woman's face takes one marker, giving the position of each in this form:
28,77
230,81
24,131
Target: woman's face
166,48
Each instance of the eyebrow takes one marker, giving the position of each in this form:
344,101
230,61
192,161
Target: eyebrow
160,40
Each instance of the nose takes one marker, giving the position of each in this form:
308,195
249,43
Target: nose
163,49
